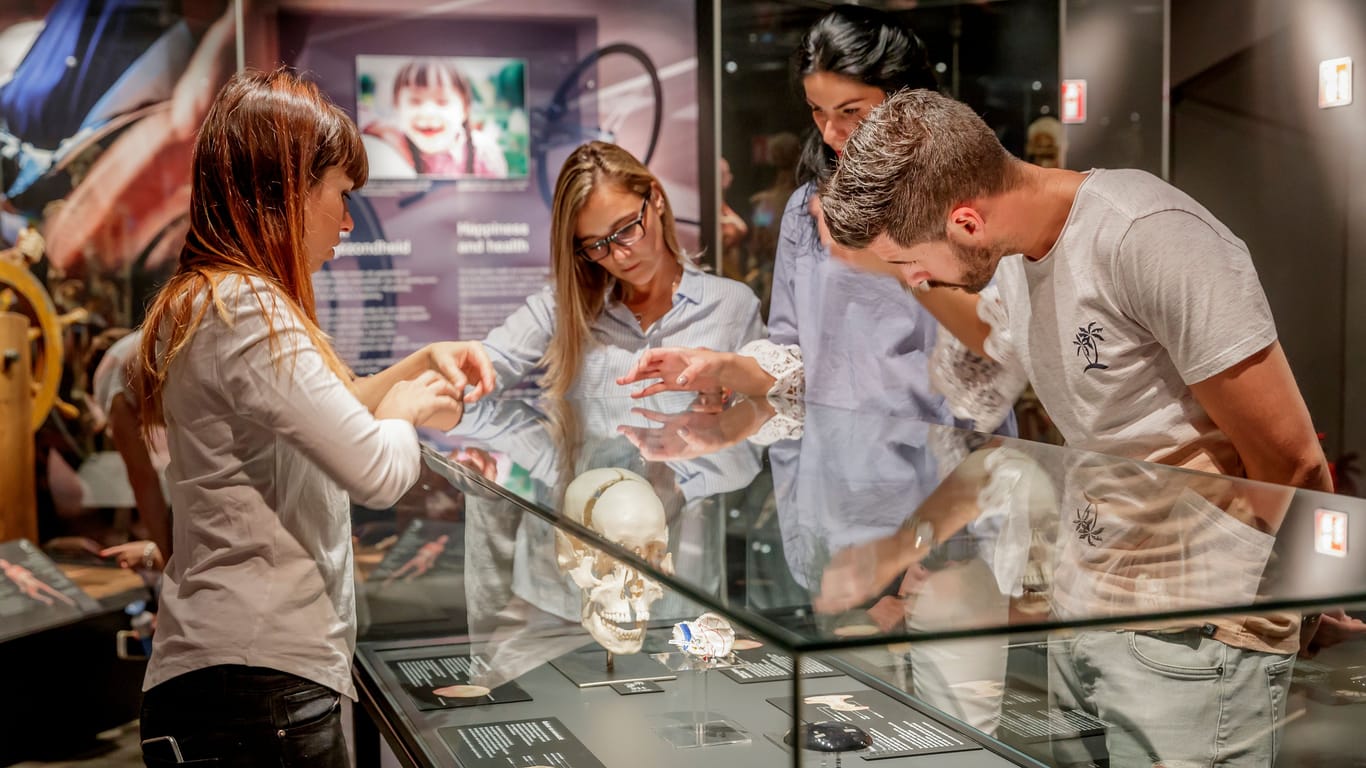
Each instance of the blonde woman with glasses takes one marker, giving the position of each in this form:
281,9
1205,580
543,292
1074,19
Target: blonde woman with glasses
621,285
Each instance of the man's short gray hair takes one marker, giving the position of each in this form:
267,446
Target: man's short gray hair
908,164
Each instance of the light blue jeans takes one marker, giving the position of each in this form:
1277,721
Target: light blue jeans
1171,699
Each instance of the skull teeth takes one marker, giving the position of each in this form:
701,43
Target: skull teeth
624,617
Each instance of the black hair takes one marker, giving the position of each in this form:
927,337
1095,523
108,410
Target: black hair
867,45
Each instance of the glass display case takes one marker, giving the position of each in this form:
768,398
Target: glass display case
668,581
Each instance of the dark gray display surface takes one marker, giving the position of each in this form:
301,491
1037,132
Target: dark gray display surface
438,682
1027,717
34,593
897,730
763,665
637,686
623,730
588,667
536,742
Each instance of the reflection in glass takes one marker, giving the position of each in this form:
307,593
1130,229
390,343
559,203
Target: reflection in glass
571,460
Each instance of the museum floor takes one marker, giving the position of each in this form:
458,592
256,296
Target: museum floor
116,748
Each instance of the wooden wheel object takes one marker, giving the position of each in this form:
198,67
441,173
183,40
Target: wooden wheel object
21,292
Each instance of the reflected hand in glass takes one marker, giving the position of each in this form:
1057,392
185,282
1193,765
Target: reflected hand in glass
478,460
684,435
888,613
695,433
1330,628
854,575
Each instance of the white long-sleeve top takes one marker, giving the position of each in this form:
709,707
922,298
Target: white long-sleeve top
263,456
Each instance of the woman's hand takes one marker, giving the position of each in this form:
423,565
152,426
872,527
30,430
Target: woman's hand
136,555
464,363
459,363
429,400
679,369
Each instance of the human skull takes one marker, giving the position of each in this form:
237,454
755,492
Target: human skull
622,507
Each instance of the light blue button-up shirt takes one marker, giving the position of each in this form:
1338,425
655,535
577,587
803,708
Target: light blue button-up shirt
708,311
865,342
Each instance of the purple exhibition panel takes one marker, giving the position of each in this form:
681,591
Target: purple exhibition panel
467,115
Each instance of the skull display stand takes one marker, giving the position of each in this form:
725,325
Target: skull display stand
704,645
699,727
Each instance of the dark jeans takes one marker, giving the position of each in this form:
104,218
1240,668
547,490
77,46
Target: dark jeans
229,716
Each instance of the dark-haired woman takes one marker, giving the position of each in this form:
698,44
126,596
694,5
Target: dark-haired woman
837,336
269,433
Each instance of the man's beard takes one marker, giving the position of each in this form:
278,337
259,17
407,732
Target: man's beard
979,267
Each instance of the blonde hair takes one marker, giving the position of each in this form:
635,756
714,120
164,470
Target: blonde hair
580,285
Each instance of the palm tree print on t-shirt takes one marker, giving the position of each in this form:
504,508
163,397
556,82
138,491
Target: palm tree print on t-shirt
1086,345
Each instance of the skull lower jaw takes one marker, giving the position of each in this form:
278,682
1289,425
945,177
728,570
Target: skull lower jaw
616,632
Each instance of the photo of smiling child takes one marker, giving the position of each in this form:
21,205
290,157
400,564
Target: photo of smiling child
442,117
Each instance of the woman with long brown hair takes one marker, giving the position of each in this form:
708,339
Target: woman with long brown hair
268,433
621,284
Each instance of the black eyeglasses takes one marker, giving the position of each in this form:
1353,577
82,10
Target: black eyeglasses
628,235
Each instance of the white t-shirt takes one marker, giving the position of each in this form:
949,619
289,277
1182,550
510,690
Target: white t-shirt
1143,294
262,459
113,373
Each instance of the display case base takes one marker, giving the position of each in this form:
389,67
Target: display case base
683,732
588,668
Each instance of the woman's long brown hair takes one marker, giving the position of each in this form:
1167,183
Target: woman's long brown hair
268,139
581,286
